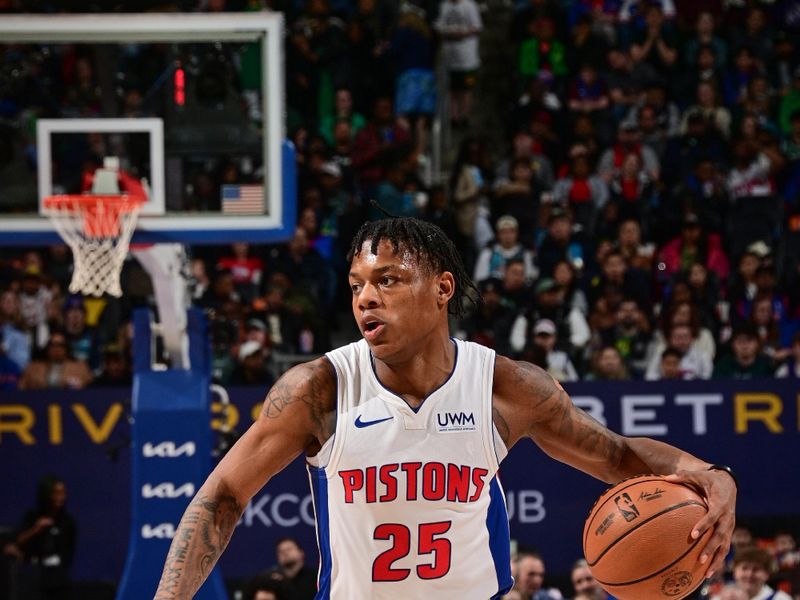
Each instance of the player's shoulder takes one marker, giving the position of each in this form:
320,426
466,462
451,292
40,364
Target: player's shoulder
306,393
319,370
314,380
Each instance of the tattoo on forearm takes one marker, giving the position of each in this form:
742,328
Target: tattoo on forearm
314,391
202,535
553,406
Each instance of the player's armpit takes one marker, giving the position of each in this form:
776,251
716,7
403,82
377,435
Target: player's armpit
532,404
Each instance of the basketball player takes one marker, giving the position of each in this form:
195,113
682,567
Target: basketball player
404,431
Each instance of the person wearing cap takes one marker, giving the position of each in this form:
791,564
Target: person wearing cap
492,261
629,140
255,330
559,364
251,368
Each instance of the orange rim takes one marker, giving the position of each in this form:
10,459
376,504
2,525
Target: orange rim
100,212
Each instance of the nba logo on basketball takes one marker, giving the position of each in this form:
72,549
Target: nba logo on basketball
626,507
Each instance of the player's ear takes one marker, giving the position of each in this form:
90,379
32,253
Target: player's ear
446,287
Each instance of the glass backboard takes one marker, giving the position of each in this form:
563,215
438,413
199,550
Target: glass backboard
192,103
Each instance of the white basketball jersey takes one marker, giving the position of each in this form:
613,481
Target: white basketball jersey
407,502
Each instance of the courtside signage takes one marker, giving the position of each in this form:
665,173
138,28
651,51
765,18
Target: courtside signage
168,450
162,531
167,490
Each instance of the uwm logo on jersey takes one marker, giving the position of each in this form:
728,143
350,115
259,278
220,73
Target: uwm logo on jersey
162,531
451,422
167,490
168,450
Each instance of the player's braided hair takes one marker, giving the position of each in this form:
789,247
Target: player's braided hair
430,246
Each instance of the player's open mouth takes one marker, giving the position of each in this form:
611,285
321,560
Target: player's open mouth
372,329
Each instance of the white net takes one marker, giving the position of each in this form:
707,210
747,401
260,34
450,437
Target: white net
98,229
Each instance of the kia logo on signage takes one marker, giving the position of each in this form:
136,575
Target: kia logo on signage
162,531
168,450
167,490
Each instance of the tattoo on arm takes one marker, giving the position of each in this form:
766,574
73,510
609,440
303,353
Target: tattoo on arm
203,533
315,391
563,427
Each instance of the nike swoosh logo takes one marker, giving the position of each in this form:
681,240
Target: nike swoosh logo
360,423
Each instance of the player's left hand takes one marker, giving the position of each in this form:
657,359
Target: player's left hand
719,490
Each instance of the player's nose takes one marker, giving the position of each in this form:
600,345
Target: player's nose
368,297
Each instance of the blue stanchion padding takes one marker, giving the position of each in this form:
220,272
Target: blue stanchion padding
171,455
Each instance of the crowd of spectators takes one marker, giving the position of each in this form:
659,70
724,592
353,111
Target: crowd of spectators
643,222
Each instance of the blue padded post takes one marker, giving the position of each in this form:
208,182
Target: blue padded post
171,455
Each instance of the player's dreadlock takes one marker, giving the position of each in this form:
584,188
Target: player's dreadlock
430,246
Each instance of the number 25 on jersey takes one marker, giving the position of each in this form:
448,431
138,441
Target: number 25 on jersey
429,543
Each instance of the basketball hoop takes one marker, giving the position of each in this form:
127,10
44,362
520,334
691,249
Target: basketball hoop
98,229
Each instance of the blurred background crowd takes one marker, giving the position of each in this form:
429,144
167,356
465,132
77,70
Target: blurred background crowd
621,177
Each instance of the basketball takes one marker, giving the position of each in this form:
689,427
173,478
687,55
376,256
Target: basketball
637,539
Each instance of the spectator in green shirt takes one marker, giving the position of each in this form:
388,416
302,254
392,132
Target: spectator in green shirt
746,360
342,111
542,51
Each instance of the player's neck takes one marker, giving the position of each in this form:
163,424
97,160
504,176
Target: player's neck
421,374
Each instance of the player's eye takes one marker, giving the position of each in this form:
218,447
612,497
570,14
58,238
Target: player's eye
356,288
386,280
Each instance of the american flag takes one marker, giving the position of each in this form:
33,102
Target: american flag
242,199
